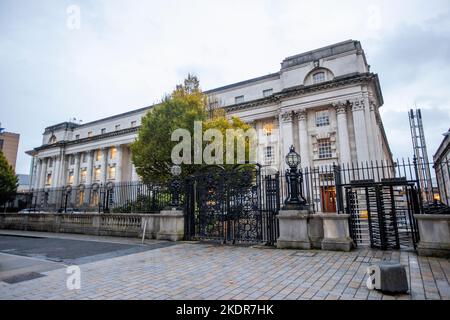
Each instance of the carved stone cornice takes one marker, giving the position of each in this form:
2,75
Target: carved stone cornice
365,78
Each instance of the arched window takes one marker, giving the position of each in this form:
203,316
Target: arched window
319,77
52,139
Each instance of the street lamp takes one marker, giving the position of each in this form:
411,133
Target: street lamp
294,179
175,187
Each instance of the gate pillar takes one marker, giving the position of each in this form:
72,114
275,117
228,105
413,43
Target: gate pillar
171,225
294,229
434,231
336,232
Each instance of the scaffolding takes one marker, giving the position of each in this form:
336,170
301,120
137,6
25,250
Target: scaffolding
421,154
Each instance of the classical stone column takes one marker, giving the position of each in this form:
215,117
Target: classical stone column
359,124
37,173
303,138
90,166
369,128
378,147
55,171
134,175
43,173
287,135
104,176
118,163
63,172
76,171
344,142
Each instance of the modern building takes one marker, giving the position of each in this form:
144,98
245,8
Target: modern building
9,143
442,168
324,102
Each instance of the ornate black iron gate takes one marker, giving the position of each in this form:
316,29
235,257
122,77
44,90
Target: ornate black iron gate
236,205
382,214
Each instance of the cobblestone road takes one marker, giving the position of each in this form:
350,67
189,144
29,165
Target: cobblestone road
202,271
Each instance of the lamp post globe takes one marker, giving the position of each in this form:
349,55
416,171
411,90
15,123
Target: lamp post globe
294,200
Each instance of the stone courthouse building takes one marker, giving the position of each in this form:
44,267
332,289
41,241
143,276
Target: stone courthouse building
324,102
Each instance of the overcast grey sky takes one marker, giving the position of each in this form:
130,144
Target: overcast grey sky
127,54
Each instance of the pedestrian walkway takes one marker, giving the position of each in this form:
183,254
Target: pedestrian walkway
205,271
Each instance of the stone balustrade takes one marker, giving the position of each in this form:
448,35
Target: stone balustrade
116,224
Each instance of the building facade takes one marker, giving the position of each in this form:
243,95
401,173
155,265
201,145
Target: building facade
324,102
442,168
9,143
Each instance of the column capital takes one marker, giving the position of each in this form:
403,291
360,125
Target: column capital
358,104
287,116
302,114
340,106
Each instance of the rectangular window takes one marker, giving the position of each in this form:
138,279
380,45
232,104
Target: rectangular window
97,172
81,197
324,148
77,137
48,181
112,173
50,162
70,178
72,159
322,118
84,156
1,144
214,104
103,130
112,153
268,155
89,134
117,127
239,99
133,124
98,155
267,93
268,128
319,77
83,175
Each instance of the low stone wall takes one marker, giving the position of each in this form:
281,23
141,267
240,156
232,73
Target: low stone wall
115,224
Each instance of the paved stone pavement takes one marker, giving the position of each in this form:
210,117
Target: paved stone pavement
203,271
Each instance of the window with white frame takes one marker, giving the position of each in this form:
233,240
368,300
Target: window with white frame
103,130
269,155
133,124
83,175
72,159
319,77
268,128
112,172
117,127
48,180
70,178
50,162
324,146
267,93
238,99
97,172
322,118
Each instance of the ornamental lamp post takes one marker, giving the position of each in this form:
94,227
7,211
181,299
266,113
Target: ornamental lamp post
175,187
294,200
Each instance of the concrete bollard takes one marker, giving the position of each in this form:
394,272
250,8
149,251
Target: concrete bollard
387,277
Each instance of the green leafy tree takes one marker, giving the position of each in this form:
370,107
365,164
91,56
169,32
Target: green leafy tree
8,180
151,152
